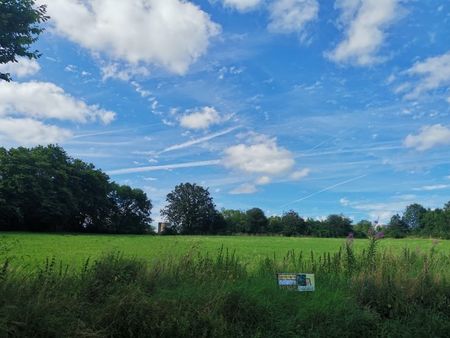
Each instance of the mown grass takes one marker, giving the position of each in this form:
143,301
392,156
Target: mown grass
369,292
32,249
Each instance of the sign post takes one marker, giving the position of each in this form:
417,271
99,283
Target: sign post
301,282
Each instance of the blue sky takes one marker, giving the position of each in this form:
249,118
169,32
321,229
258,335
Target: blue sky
317,106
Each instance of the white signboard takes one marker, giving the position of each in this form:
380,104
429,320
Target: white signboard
296,281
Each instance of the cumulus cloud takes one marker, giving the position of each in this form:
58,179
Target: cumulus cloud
43,100
22,68
290,16
171,33
246,188
433,73
201,119
242,5
365,22
262,156
428,137
30,132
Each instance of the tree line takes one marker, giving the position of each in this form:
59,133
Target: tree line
43,189
191,210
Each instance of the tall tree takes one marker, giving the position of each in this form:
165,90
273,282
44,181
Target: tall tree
236,220
256,221
190,210
397,227
413,216
293,224
131,210
19,28
339,225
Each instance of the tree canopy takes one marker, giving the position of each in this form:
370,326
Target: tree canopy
190,210
43,189
19,28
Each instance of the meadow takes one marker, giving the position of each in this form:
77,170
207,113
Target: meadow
151,286
32,249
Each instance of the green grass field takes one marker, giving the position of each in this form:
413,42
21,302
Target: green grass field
363,289
32,249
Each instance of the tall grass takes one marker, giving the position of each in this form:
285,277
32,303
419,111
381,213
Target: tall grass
368,293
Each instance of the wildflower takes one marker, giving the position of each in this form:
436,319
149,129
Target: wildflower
379,235
350,238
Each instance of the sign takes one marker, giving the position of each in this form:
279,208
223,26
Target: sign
296,281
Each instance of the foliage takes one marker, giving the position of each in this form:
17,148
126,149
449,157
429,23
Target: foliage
413,216
256,221
191,210
292,224
397,227
19,28
43,189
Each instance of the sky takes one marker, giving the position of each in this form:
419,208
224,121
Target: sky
317,106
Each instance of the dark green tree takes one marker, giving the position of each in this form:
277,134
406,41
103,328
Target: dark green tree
43,189
190,210
256,221
292,224
275,225
396,228
236,220
413,216
130,212
19,28
362,228
339,226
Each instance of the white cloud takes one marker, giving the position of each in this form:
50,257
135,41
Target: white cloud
246,188
170,33
434,72
30,132
242,5
262,156
299,174
433,187
22,68
364,22
290,16
381,211
428,137
43,100
263,180
201,119
122,72
344,201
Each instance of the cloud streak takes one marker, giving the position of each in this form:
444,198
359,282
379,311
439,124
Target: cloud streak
164,167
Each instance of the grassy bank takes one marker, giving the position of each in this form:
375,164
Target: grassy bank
364,292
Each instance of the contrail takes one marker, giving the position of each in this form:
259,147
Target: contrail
325,189
164,167
197,141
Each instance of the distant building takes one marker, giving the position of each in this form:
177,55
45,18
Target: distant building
162,226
